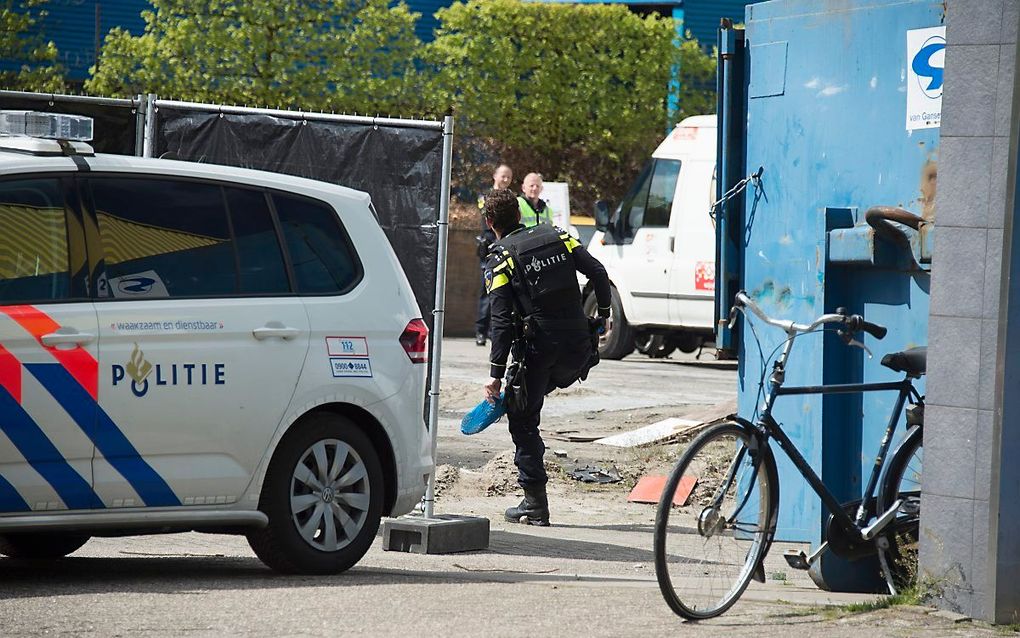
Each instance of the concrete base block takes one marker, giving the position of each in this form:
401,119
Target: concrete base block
442,534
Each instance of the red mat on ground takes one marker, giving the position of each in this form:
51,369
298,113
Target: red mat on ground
649,490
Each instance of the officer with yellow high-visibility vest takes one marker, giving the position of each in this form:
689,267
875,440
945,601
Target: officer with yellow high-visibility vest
534,210
537,315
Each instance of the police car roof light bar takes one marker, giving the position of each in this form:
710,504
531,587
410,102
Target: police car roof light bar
52,126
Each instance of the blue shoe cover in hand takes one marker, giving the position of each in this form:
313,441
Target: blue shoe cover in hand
482,416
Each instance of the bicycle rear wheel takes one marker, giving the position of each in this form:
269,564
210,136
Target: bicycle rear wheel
707,548
903,481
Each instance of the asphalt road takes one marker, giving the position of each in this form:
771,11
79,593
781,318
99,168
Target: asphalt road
591,574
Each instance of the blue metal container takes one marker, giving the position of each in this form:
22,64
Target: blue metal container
826,112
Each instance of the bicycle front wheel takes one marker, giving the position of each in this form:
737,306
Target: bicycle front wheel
708,546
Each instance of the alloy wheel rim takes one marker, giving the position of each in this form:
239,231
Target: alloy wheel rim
329,495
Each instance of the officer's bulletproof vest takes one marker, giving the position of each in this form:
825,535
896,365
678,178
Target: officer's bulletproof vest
543,267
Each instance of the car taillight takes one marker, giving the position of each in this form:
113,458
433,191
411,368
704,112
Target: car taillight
415,340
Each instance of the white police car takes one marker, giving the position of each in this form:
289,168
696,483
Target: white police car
195,347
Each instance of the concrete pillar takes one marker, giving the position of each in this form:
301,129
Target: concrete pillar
971,502
1003,602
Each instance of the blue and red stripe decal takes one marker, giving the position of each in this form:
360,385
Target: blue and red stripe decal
10,500
78,361
101,429
43,456
32,443
74,382
10,374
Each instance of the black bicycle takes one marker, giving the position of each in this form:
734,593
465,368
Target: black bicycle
708,549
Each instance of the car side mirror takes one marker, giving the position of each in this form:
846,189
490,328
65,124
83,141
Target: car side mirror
602,215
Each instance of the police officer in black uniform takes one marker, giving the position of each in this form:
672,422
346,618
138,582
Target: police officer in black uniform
533,291
501,178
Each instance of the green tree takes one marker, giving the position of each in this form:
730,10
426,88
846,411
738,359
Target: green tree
21,42
577,92
348,55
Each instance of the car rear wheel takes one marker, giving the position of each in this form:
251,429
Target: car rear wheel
323,495
41,546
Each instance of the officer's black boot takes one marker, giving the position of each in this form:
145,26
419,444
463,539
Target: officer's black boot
533,510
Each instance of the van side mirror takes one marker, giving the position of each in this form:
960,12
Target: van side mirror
602,215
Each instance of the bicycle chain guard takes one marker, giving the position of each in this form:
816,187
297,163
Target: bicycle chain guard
843,545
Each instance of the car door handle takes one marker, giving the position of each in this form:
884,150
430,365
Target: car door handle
66,337
275,329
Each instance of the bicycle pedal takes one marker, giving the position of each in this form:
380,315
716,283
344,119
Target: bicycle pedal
882,522
796,559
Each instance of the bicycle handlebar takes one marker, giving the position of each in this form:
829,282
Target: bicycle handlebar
853,323
857,322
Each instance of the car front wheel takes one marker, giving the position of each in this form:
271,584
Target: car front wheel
618,339
323,495
41,546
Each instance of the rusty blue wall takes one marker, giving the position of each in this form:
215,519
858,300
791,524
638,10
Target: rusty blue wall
826,119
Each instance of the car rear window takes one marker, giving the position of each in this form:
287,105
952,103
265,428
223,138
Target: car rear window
323,259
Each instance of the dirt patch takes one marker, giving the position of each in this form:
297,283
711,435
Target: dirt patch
446,477
457,398
575,390
498,477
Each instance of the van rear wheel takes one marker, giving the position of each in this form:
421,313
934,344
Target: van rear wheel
656,346
323,495
618,340
686,342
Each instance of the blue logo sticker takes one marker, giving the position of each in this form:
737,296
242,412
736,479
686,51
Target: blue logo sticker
929,77
136,285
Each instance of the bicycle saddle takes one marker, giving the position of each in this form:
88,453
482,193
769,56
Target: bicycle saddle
913,361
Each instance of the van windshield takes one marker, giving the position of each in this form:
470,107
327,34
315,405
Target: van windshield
649,201
660,194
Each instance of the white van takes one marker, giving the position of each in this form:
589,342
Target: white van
659,248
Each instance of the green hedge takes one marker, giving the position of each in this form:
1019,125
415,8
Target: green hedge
345,55
576,92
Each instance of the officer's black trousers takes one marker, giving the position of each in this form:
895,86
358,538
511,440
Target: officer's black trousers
553,360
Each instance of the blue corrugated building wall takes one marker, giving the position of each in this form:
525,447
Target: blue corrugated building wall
699,17
427,23
76,29
74,25
78,26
